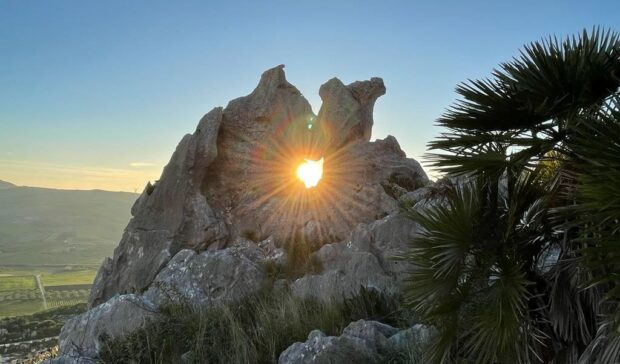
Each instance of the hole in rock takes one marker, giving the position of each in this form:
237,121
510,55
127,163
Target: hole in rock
310,172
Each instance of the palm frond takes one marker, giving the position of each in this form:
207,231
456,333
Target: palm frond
522,113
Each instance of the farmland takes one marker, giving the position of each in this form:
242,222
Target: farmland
52,242
25,336
62,286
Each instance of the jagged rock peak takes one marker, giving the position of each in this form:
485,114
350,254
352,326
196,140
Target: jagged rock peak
346,112
273,77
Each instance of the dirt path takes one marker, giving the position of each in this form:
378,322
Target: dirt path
38,279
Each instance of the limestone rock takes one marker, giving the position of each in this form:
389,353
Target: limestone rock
365,259
391,167
361,342
174,215
272,253
374,333
81,336
208,278
391,236
415,337
346,113
355,270
322,349
228,202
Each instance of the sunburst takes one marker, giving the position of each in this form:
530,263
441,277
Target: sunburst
310,172
291,177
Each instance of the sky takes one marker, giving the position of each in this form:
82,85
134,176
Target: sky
96,95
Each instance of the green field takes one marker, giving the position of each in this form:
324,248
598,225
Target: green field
10,283
20,295
68,277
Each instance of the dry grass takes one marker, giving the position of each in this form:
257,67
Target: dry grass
255,330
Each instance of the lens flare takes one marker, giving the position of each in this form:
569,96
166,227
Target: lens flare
310,172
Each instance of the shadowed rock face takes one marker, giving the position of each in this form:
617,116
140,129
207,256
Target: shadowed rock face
234,176
172,215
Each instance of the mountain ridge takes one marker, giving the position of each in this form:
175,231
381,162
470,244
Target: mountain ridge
4,185
7,185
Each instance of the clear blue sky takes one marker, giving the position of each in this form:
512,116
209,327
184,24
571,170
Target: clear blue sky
97,94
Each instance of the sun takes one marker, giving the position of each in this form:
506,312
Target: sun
310,172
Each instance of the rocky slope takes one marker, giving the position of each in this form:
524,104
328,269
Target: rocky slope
228,203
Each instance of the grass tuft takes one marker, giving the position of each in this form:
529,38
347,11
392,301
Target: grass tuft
255,330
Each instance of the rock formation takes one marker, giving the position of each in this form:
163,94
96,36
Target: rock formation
228,201
361,342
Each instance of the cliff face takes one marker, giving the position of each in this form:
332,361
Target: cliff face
229,201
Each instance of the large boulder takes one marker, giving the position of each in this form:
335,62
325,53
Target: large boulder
323,349
360,342
82,337
412,340
355,271
208,278
375,334
189,278
364,260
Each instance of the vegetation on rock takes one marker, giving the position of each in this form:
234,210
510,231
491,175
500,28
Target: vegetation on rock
254,330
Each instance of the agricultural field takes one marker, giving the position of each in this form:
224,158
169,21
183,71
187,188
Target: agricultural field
20,293
31,338
52,242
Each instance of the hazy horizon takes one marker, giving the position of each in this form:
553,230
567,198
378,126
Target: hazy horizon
97,95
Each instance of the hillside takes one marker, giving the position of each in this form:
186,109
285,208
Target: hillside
40,226
6,185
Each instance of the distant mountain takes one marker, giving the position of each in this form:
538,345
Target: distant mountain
6,185
49,226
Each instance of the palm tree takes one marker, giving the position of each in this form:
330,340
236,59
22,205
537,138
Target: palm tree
594,219
481,271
